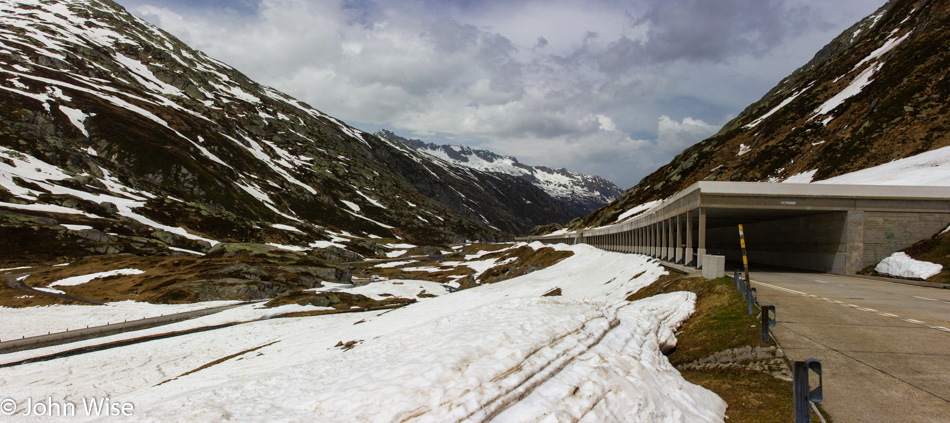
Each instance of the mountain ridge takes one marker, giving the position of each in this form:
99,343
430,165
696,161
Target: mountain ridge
580,193
139,144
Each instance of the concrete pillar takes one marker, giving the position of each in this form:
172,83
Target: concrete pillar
639,235
636,240
671,243
679,240
701,248
641,244
655,242
649,229
663,240
689,240
854,243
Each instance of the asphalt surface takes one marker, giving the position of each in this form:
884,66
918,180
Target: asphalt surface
60,338
13,282
884,347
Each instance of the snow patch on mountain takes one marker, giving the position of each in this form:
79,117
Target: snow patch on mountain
558,183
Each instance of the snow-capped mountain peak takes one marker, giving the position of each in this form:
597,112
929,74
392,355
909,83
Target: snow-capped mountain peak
582,193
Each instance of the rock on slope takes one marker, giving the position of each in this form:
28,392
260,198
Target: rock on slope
579,193
876,93
120,138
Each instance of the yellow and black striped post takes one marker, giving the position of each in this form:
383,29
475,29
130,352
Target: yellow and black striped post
745,258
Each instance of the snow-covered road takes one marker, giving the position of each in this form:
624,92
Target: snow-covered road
497,352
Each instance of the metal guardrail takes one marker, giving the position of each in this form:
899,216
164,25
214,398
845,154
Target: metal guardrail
768,321
803,399
802,396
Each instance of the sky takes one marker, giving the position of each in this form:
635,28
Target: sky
614,88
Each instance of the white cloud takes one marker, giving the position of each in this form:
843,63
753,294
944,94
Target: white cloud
673,137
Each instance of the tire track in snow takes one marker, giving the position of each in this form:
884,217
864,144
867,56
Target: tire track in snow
537,367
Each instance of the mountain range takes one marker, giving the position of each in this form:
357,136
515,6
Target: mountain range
119,138
580,193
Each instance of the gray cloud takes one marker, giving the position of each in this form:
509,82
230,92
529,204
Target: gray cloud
554,82
702,30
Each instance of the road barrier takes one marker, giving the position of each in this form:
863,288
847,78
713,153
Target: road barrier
802,396
768,321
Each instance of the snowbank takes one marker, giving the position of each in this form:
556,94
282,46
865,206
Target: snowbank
901,265
497,351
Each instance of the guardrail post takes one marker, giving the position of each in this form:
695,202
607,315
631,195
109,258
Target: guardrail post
735,277
802,396
753,298
768,321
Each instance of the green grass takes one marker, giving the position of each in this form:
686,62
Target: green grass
721,322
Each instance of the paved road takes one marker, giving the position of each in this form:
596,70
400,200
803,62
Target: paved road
67,337
13,282
884,347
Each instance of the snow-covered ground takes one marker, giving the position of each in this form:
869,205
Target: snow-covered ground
930,168
499,351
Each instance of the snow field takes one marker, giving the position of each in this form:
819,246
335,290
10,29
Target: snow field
404,288
467,356
79,280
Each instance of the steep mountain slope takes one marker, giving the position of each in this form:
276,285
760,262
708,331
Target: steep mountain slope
581,194
503,201
878,92
120,138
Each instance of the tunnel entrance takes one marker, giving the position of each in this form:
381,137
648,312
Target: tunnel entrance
815,227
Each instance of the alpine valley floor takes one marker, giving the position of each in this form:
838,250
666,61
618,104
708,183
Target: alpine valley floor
501,352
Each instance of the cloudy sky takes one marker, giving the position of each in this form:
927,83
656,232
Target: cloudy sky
614,88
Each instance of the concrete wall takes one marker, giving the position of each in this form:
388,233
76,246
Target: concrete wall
887,232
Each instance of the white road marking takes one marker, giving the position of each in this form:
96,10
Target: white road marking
888,315
821,281
925,298
792,291
940,328
867,309
914,321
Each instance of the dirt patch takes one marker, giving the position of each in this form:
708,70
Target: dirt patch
170,280
525,260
